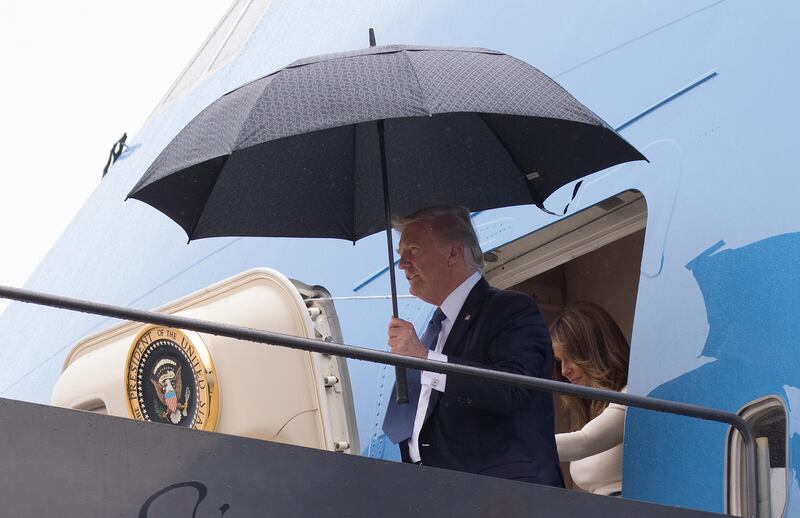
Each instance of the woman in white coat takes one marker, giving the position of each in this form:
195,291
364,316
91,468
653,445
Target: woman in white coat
590,350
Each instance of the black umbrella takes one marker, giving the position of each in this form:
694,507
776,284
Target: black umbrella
314,149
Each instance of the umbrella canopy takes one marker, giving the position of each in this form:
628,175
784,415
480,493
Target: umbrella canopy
319,148
297,154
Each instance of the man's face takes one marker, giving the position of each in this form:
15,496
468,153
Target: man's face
424,259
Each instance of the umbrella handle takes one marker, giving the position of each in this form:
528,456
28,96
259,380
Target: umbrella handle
402,386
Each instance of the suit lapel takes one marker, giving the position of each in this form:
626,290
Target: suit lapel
466,317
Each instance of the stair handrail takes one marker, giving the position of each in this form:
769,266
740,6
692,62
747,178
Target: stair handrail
398,360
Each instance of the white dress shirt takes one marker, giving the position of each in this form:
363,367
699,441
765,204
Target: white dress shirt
451,307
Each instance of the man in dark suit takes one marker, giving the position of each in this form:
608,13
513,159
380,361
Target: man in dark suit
459,422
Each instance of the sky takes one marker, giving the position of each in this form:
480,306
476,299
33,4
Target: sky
75,77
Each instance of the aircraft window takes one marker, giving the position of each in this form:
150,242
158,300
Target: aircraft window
224,42
768,418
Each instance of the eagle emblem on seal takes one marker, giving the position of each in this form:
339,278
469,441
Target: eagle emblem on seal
166,378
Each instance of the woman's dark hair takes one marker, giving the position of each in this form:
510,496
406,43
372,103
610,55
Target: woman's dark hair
588,336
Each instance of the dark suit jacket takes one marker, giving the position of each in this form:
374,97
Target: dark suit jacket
490,428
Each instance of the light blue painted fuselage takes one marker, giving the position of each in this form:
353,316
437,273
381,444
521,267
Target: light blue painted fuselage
706,90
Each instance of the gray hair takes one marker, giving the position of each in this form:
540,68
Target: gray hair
449,223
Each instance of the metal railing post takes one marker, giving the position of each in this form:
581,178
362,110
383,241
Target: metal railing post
361,353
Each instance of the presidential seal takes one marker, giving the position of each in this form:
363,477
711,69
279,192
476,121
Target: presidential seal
169,378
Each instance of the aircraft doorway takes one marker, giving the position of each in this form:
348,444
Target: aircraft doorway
594,255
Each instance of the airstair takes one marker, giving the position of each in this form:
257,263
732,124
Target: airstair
61,462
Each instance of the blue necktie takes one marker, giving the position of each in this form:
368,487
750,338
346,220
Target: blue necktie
398,425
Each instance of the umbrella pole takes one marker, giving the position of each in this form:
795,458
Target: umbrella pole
400,372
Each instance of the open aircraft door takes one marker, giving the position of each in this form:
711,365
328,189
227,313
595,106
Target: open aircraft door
214,383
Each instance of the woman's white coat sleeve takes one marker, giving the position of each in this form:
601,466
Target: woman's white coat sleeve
598,435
